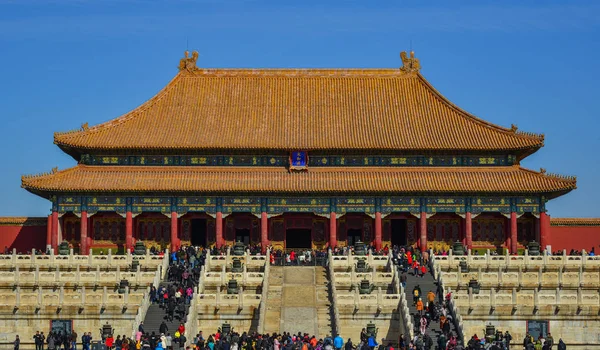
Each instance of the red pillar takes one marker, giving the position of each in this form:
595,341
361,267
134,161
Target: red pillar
174,239
468,230
513,233
264,231
219,229
544,230
129,230
83,239
54,234
377,230
49,231
332,230
423,226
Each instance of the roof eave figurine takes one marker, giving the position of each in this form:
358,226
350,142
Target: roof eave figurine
188,63
409,64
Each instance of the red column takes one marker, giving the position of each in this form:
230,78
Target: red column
332,230
49,231
468,230
54,234
377,230
264,231
174,239
219,229
83,239
544,230
423,226
129,231
513,233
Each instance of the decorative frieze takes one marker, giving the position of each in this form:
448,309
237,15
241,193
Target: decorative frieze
241,204
196,204
151,204
298,205
317,205
445,205
313,160
400,205
355,205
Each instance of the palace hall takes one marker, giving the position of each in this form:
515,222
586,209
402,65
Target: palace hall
298,158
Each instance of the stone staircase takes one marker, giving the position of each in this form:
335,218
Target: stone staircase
426,284
298,301
272,320
323,303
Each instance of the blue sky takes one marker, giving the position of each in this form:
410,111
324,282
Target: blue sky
531,63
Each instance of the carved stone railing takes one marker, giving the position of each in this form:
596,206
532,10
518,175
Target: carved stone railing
262,312
511,301
451,305
523,278
109,260
353,278
348,261
406,326
335,328
215,262
548,262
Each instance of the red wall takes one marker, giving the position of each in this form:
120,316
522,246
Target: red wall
575,237
22,237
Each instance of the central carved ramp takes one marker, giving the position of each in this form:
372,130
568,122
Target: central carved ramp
303,307
298,304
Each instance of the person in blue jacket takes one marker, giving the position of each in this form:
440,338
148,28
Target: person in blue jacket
338,342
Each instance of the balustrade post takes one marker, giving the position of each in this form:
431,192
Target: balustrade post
470,298
16,275
18,297
500,276
560,276
104,296
77,274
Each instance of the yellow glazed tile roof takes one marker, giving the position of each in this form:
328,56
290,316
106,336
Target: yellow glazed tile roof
86,178
299,109
575,221
22,221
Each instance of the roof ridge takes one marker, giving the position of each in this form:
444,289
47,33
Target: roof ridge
542,172
512,130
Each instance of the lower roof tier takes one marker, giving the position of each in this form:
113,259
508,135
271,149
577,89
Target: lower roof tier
175,179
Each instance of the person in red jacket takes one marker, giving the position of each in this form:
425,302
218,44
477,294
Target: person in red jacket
181,329
109,342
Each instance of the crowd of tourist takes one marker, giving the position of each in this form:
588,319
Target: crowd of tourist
184,273
302,257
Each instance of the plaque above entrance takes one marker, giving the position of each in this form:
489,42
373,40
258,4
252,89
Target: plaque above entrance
298,160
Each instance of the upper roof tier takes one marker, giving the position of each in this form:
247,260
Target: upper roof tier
298,109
